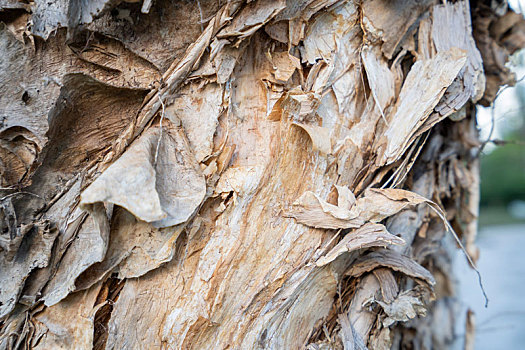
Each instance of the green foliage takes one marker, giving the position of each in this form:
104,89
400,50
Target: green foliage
503,175
503,170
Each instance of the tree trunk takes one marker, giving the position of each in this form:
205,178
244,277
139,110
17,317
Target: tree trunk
229,174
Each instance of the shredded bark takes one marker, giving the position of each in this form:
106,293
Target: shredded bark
244,174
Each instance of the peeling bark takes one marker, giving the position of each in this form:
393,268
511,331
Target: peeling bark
261,174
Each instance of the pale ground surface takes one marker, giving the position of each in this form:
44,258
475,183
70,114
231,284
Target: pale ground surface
502,265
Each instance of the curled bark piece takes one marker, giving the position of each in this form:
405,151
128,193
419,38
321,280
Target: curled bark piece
252,17
313,211
380,77
135,247
367,236
373,206
419,95
30,249
392,260
470,83
165,192
89,247
405,307
377,204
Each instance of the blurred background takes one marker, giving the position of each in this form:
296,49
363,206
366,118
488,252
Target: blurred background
501,235
503,160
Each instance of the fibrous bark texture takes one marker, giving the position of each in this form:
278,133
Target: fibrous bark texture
274,174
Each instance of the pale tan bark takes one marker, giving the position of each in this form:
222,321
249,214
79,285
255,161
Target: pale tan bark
230,174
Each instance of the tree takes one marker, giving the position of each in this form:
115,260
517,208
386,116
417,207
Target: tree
229,174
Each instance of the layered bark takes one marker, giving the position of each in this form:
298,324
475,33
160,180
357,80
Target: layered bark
268,174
